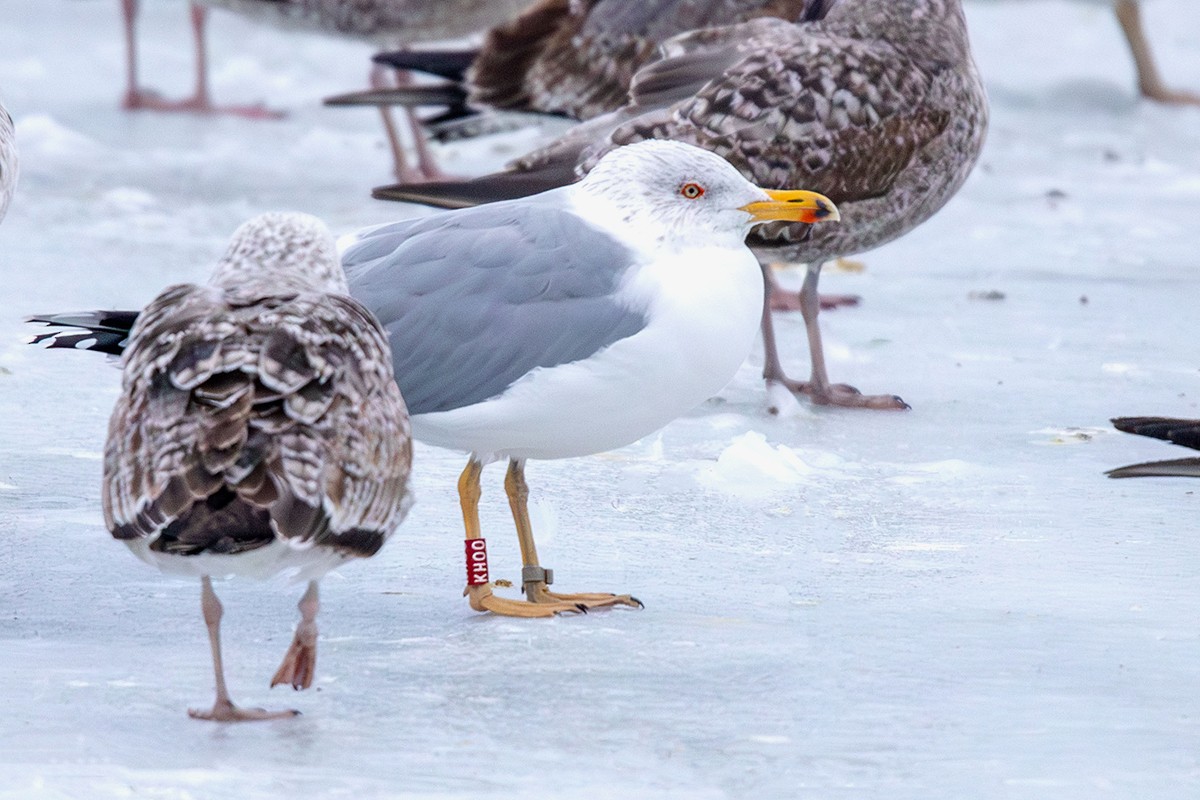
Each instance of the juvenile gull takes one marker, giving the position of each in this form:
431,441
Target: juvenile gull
258,431
578,59
1185,432
875,103
572,322
8,161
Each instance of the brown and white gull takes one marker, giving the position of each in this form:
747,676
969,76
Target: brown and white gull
259,431
9,166
875,103
564,324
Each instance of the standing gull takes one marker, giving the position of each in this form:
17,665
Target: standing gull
258,431
1185,432
384,23
875,103
570,323
8,161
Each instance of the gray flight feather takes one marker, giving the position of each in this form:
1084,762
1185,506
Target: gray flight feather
474,300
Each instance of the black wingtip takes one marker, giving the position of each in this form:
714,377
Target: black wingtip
449,64
479,191
439,94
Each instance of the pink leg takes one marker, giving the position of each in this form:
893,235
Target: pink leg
223,709
1150,82
137,98
426,168
780,299
300,661
818,387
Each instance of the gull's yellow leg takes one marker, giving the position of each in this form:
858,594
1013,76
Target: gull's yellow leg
481,597
535,578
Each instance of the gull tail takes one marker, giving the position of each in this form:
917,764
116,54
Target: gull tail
449,64
1184,432
438,94
102,331
1180,468
478,191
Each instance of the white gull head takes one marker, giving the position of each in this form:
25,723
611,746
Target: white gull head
670,192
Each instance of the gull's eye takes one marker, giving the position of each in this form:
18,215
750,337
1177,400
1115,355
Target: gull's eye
692,191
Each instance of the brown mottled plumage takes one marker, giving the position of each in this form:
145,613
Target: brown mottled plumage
8,161
578,57
878,106
259,429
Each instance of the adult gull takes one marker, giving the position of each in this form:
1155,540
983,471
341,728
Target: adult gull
258,431
569,323
875,103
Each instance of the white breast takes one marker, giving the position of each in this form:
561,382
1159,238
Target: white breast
704,304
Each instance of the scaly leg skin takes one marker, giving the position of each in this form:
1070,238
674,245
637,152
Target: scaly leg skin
539,602
481,597
818,387
780,299
223,709
300,661
138,99
1150,82
534,578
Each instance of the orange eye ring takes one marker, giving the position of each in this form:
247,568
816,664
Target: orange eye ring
692,191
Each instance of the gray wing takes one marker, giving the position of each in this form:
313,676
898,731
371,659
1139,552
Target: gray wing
246,418
472,300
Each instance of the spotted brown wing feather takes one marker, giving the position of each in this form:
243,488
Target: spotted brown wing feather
244,419
579,58
844,118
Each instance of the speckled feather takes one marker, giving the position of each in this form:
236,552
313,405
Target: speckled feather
879,106
8,161
259,407
578,57
385,22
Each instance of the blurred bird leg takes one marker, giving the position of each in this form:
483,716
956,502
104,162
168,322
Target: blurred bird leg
1150,82
223,709
137,98
426,168
782,299
818,387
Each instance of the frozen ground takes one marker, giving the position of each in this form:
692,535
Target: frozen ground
949,603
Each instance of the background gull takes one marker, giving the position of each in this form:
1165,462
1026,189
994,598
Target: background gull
384,23
569,323
1150,81
9,168
258,430
1184,432
877,103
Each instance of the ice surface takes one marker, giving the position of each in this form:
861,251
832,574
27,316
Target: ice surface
947,603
